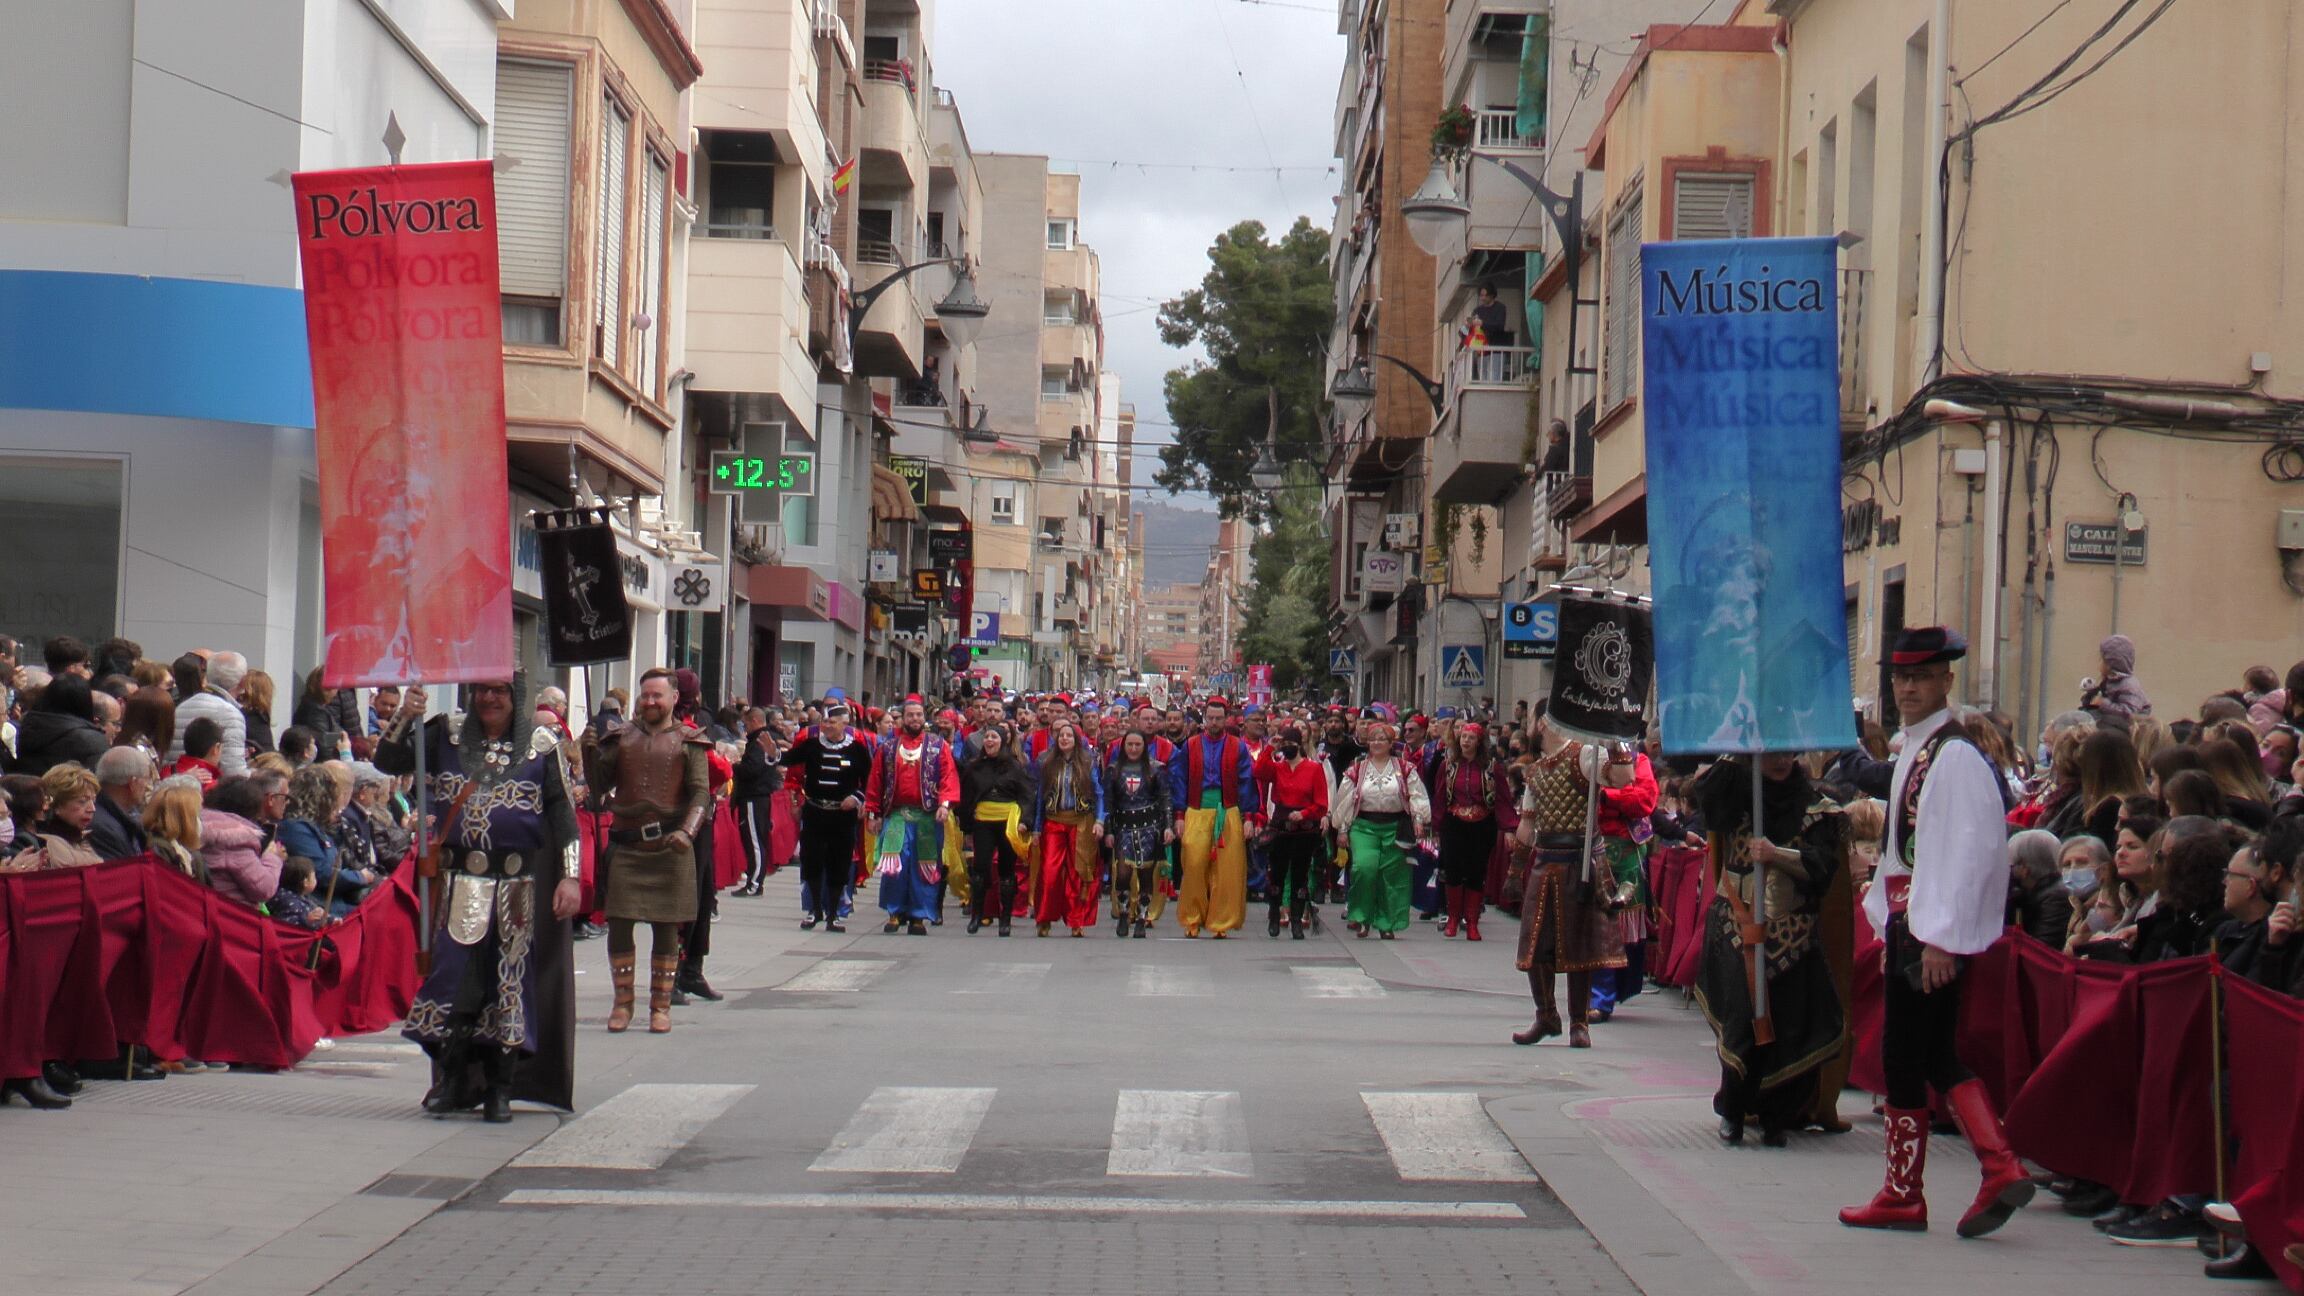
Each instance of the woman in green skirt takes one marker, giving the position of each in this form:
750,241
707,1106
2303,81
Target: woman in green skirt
1378,796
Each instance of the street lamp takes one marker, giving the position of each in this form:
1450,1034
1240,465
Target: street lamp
1437,214
1354,390
1266,474
961,313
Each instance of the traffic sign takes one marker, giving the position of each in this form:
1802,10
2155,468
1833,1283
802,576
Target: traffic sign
1531,629
983,630
1343,661
1464,666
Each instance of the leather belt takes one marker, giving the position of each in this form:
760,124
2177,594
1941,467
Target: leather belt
493,863
841,807
646,833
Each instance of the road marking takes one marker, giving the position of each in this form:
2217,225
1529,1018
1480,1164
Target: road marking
1178,1132
974,1203
909,1131
635,1130
1444,1136
1336,983
1155,980
396,1048
1005,978
838,976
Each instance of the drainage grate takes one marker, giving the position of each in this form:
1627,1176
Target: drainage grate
1697,1134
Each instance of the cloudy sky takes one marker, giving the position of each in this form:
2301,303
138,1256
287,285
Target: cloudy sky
1149,85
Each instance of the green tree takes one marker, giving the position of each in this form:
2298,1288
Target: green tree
1287,622
1262,314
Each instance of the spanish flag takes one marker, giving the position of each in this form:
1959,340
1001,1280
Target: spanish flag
844,176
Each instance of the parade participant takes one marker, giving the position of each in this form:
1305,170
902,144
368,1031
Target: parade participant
1295,788
907,803
1379,795
1138,831
1804,847
759,778
1565,923
995,788
1939,896
655,779
1468,792
833,768
1068,816
497,1012
1212,785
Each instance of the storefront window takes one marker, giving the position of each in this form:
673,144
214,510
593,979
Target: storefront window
60,530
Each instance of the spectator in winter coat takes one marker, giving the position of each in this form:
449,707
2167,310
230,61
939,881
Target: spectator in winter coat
124,777
232,843
255,698
222,675
2116,692
2038,901
60,728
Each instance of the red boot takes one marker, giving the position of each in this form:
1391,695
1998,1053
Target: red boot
1455,897
1474,902
1899,1204
2006,1187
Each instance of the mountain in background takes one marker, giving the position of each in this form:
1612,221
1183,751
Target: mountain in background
1176,543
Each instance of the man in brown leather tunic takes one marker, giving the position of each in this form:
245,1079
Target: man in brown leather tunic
653,776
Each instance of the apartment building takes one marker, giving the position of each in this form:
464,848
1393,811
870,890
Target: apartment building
1224,599
1172,634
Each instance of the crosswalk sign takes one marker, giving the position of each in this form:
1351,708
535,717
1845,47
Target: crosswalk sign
1343,661
1464,666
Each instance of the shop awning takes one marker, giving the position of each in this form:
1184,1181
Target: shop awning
891,496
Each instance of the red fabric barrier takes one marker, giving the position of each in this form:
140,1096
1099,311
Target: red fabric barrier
1864,1014
1683,893
2264,1043
783,830
133,951
727,848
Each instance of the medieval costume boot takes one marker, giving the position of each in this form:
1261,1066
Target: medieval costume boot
620,970
691,979
1547,1008
663,970
1474,902
2007,1188
451,1069
1452,900
496,1101
1579,1009
1899,1204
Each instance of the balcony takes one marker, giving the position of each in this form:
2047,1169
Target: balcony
762,56
1855,374
894,146
1067,611
890,339
1481,444
1498,129
1547,534
748,311
1504,213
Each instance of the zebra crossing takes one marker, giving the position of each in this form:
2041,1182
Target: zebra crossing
1429,1136
1144,980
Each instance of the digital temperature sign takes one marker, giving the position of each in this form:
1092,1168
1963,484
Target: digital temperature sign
736,473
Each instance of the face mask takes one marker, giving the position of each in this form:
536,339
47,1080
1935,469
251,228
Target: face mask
2099,921
2040,756
1289,751
2080,881
7,831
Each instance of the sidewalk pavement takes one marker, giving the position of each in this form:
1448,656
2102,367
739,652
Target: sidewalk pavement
1623,1133
245,1184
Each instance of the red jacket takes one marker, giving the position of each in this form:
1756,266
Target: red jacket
1303,786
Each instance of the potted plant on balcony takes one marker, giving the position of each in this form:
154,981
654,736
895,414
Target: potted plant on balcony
1452,135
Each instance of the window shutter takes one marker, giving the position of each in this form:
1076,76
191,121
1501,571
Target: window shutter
1620,364
652,215
532,104
1711,206
608,264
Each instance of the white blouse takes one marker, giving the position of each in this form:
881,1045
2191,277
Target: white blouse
1391,788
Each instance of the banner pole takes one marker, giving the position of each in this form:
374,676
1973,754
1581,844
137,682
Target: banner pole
2216,1084
423,854
1759,902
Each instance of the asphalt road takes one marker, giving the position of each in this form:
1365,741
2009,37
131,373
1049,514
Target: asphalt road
963,1114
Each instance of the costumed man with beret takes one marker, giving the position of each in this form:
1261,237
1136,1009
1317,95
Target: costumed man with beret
1213,784
655,778
497,1013
1939,896
907,803
832,767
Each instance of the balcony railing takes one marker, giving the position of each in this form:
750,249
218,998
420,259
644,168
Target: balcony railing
741,229
1855,393
1491,367
877,252
898,71
1547,533
1499,128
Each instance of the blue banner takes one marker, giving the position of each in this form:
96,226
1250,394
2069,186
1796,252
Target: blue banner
1740,343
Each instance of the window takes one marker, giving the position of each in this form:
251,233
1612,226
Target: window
1004,503
1620,340
876,235
1060,235
1711,206
60,527
654,193
533,101
1057,309
739,175
608,252
1055,383
935,234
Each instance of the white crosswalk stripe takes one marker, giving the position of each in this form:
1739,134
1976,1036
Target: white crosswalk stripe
635,1130
1177,1133
1444,1136
838,976
909,1131
1004,978
1156,981
1336,983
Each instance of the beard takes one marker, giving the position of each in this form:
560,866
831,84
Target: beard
914,728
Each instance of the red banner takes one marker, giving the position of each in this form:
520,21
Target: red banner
401,305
